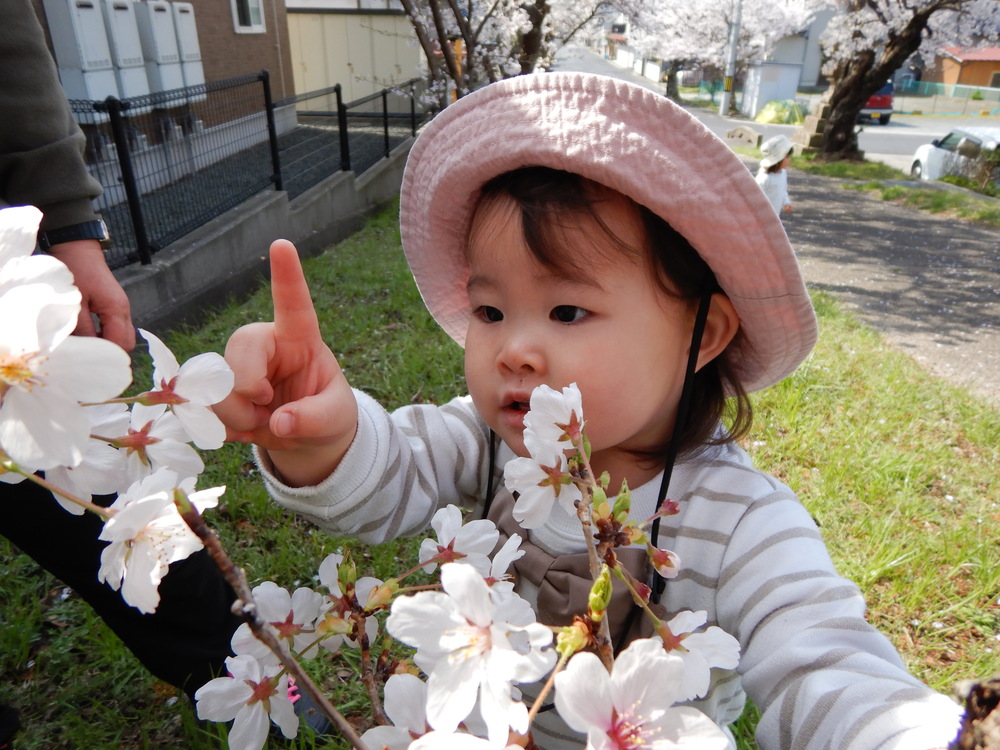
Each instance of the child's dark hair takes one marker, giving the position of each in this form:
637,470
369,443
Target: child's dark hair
775,167
548,200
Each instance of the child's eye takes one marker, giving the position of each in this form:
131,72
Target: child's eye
488,314
568,313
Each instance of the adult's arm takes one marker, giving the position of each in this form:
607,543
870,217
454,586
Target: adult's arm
41,164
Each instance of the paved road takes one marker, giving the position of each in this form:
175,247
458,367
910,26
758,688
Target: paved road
930,285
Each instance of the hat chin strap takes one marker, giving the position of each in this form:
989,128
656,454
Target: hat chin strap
683,411
656,582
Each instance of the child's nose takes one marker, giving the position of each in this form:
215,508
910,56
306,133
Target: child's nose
521,353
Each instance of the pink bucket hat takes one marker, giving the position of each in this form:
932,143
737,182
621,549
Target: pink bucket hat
632,140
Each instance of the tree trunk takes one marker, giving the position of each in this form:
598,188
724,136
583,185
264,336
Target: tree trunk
855,80
531,40
673,91
848,95
425,42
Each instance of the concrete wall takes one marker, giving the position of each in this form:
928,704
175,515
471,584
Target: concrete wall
226,259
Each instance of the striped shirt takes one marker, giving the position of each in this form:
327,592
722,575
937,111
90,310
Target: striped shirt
751,557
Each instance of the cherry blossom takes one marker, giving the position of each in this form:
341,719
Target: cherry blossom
156,439
470,543
633,705
469,647
147,534
554,420
251,697
291,616
405,702
500,583
700,651
552,426
190,389
44,371
540,484
102,470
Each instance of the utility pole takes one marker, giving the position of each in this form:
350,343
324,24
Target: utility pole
734,39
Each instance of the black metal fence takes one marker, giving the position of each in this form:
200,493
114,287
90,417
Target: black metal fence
170,162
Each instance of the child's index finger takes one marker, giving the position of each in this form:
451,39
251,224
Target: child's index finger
294,314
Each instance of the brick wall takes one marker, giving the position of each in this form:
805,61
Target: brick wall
224,53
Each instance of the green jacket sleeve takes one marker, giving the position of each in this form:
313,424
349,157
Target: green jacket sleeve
41,146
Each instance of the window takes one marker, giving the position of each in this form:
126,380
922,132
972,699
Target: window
248,16
995,80
950,142
970,148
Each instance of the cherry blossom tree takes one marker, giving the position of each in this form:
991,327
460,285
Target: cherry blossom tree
469,44
869,40
685,34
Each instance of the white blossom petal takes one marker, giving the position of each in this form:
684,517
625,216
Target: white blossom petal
18,232
633,706
468,647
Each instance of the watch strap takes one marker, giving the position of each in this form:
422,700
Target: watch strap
88,230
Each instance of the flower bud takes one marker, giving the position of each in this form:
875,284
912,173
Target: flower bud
382,594
634,533
600,499
347,573
333,624
600,595
572,638
623,504
665,562
643,592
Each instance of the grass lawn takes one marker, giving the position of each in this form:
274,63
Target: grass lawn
899,468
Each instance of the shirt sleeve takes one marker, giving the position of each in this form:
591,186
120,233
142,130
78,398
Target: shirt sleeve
399,470
821,675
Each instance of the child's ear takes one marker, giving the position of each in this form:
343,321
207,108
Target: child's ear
720,327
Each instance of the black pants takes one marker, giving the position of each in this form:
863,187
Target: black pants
185,642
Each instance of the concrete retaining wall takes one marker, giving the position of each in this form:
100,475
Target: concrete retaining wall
226,259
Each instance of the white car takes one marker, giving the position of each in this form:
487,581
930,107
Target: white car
955,153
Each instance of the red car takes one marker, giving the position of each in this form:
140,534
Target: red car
879,105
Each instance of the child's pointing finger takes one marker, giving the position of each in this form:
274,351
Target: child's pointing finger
294,314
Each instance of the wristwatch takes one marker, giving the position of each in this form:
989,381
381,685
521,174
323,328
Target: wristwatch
88,230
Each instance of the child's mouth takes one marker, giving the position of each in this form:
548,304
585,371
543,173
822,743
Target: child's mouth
514,412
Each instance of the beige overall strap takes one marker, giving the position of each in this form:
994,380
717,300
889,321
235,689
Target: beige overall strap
564,582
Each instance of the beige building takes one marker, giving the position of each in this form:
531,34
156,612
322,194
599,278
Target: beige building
967,66
364,45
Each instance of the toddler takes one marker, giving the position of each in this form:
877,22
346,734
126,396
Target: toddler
565,228
772,175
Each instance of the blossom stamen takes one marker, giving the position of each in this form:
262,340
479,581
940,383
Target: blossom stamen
626,732
21,372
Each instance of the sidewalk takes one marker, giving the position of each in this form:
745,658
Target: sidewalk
929,284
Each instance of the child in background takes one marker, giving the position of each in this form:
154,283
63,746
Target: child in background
565,228
772,176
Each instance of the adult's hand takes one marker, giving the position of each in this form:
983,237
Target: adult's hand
290,396
102,294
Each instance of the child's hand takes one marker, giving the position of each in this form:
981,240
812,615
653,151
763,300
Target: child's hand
290,396
787,208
